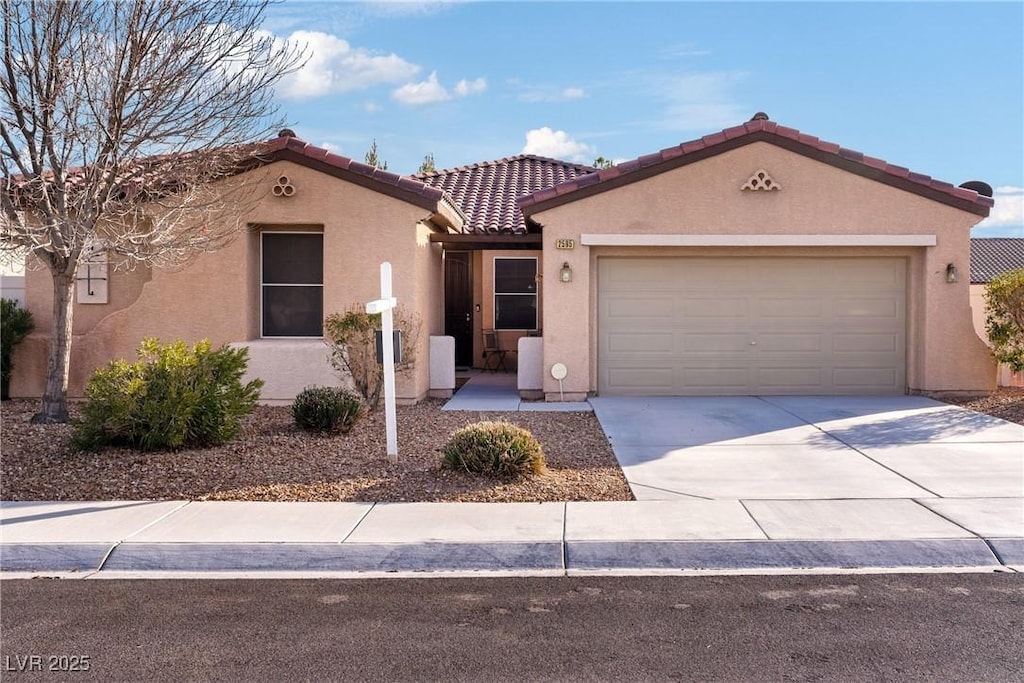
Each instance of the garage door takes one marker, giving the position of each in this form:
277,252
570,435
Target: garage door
743,326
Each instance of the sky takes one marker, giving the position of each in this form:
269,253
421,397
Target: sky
937,87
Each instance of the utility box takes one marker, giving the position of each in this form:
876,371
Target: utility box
397,336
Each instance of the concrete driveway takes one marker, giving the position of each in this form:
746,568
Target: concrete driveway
782,448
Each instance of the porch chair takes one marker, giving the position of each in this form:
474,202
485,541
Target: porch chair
492,349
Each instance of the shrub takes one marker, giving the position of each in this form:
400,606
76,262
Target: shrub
1004,296
351,337
326,409
15,325
497,448
173,397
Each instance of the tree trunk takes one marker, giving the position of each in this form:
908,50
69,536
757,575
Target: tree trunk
54,406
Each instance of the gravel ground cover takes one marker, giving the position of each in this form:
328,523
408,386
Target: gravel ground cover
276,461
273,460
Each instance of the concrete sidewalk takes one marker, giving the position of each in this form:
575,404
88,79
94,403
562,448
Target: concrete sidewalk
177,536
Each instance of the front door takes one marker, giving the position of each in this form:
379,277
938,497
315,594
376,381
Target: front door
458,304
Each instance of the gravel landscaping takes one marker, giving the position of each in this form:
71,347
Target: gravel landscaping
275,461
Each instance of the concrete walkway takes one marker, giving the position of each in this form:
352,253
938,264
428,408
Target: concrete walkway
752,484
497,392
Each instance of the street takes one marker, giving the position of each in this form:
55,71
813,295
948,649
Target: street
793,628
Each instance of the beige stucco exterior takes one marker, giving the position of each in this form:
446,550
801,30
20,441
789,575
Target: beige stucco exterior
217,297
1005,377
818,200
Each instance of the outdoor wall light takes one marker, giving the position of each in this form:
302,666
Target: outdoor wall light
565,274
951,272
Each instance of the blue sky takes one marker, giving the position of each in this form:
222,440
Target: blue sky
936,87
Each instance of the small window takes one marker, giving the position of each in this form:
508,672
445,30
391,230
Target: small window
515,293
292,284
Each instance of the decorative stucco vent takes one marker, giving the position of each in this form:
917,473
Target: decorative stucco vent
283,187
761,180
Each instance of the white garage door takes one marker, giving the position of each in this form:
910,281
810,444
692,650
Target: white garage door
746,326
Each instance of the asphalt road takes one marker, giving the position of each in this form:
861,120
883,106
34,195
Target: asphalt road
954,627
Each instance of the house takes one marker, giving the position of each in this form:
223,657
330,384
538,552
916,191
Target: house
758,260
992,256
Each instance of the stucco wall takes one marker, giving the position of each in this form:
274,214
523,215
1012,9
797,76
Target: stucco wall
1005,377
217,296
704,198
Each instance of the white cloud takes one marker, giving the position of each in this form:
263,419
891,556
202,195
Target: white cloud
331,147
545,93
371,107
699,101
546,142
431,91
474,87
334,66
1009,208
683,50
424,92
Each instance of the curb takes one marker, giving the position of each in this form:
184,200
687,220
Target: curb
512,556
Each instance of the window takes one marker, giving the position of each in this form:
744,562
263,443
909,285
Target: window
292,284
515,293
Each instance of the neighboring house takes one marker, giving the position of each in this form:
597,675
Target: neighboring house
992,256
12,278
758,260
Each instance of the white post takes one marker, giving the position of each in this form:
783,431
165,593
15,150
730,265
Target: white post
385,306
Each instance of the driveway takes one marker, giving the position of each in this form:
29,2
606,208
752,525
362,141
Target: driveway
782,448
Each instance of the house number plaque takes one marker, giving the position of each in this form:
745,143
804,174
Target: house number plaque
565,244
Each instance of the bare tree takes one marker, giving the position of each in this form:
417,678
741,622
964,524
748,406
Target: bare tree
116,119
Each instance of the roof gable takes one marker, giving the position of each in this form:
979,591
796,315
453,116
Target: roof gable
992,256
756,130
405,188
487,192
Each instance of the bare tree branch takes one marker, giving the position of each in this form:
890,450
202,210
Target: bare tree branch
117,119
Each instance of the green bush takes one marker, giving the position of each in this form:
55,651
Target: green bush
326,409
173,397
15,325
1004,296
497,448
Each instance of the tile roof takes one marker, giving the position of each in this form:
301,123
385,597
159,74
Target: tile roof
991,256
755,130
487,192
285,147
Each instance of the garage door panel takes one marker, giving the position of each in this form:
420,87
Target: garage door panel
871,379
641,343
713,343
713,378
804,307
789,342
762,325
857,342
887,308
642,380
879,275
791,379
711,307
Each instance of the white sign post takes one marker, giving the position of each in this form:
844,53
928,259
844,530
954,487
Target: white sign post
385,306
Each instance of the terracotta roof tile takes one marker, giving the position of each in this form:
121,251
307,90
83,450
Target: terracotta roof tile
487,192
762,129
992,256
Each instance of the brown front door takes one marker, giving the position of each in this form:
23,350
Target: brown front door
458,304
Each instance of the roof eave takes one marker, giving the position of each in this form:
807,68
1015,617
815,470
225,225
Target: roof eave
646,167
